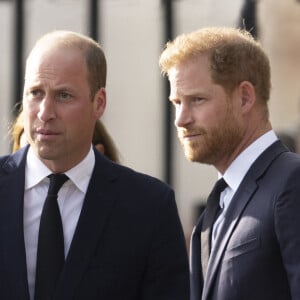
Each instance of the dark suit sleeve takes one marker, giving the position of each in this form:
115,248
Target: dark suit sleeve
287,226
167,272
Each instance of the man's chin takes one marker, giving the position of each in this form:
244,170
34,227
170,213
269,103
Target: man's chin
191,156
195,156
193,159
45,153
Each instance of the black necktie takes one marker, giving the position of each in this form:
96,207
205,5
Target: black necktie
210,213
50,255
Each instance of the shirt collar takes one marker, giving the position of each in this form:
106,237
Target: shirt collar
240,166
36,171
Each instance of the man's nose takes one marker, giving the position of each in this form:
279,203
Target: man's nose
184,116
46,109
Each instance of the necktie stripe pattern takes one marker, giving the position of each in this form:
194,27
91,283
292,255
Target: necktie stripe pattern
50,255
210,213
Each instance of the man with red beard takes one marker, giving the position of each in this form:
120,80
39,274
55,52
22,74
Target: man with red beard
246,244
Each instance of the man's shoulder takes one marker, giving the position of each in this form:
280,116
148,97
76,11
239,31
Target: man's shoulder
9,162
138,176
130,177
7,159
289,160
283,168
277,153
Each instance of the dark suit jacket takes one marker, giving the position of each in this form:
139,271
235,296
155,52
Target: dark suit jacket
128,244
257,251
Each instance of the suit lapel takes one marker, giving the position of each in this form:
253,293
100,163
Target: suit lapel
238,204
13,257
96,209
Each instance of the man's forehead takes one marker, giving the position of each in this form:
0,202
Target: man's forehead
53,59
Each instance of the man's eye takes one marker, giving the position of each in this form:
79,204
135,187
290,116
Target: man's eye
198,99
64,95
36,94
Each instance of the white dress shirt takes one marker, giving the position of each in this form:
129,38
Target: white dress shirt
70,201
236,172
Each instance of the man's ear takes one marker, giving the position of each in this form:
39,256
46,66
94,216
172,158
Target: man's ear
247,96
100,102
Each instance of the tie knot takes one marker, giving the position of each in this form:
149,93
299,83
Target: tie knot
214,196
56,182
220,185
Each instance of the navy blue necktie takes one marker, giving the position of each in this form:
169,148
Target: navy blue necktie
50,254
210,213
